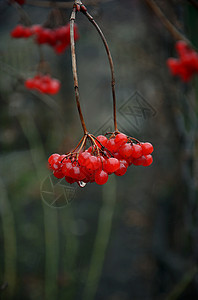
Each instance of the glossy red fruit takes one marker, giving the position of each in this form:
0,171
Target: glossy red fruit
121,139
139,161
147,148
70,180
137,151
122,170
103,140
111,165
66,168
75,173
53,158
148,160
111,146
83,158
101,177
126,150
58,174
93,163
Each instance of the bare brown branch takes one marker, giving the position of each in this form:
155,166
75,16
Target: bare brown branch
74,68
169,26
90,18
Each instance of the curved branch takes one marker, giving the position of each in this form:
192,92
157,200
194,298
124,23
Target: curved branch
90,18
74,67
169,26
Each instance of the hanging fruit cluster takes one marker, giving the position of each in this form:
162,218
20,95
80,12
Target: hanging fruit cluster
58,38
103,158
187,64
43,83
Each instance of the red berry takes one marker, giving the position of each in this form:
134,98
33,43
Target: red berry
122,169
58,174
121,139
148,160
36,28
93,163
66,168
83,158
69,179
139,161
111,165
27,32
54,86
181,47
75,172
137,151
126,150
147,148
174,65
17,32
101,177
103,140
53,158
111,146
29,83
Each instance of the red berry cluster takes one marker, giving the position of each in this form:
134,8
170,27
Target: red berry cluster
58,38
187,64
44,84
104,157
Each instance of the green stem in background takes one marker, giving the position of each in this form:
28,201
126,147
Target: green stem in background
51,252
50,215
102,239
90,18
169,26
71,246
74,68
182,285
9,239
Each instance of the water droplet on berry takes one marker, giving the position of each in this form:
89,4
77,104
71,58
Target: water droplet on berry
82,184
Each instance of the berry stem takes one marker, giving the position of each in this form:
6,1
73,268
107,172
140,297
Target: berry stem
90,18
24,17
102,147
169,26
74,67
83,143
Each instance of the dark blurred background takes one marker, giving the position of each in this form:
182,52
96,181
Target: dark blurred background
136,238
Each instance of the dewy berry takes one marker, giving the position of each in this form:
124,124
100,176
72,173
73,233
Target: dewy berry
186,66
103,158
